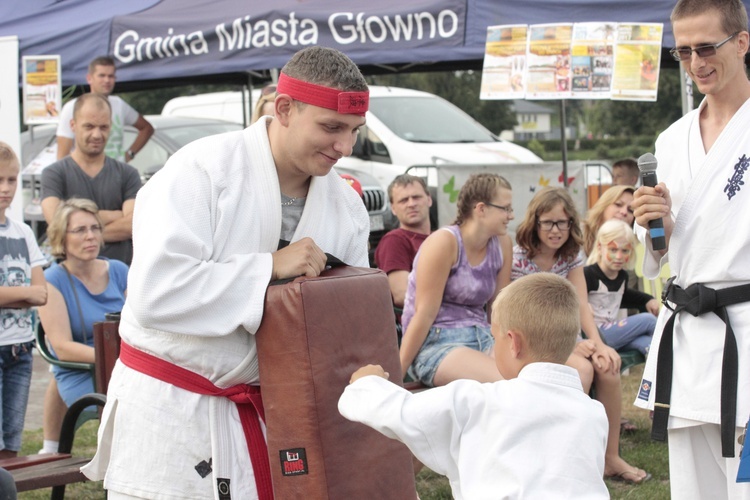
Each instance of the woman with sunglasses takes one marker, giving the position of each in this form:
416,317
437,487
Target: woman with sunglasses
457,272
82,288
549,240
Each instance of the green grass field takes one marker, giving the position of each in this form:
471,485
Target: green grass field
637,449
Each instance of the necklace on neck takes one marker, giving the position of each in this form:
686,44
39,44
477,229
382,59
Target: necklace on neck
288,201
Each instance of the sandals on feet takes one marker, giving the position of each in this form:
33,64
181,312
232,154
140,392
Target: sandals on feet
630,476
627,427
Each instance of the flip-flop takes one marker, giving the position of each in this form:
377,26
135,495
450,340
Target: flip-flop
627,427
629,476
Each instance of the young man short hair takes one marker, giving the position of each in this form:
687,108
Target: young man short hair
208,233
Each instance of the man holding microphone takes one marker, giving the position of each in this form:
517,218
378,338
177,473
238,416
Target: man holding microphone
697,377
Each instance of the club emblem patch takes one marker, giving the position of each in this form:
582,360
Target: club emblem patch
293,462
645,390
735,182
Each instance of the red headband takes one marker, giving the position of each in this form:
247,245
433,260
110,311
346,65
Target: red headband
354,103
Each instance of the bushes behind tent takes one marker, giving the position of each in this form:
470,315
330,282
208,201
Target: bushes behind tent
613,149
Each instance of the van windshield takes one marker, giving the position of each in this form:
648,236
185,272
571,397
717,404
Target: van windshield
427,119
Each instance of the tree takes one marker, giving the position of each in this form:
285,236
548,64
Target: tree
633,118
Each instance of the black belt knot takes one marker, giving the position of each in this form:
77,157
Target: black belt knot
698,299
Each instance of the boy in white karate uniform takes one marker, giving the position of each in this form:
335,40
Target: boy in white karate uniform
534,435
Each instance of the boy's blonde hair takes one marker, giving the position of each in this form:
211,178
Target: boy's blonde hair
543,307
612,230
7,155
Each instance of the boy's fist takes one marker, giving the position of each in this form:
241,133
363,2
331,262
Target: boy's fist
369,370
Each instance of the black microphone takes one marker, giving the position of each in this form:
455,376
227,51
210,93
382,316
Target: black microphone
647,166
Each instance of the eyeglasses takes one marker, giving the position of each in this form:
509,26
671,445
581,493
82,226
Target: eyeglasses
268,89
82,230
508,209
562,225
685,53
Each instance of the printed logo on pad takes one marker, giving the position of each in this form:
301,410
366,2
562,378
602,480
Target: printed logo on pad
645,390
293,462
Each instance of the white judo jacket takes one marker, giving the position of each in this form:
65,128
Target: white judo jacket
710,244
204,229
535,436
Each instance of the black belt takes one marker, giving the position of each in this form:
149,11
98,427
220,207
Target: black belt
697,300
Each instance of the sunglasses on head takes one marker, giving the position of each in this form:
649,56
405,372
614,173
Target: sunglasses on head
708,50
268,89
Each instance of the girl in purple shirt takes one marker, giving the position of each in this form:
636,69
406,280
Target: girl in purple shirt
457,273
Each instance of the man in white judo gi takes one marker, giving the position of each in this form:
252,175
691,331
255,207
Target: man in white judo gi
535,434
207,231
696,379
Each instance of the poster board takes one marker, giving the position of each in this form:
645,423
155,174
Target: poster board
504,68
637,62
548,61
592,60
42,89
603,60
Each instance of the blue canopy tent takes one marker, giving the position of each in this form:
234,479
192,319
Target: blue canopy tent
166,42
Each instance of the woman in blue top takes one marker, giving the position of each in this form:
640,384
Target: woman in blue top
82,288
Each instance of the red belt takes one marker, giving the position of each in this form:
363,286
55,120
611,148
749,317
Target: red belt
246,397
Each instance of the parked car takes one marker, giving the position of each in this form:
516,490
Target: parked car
170,134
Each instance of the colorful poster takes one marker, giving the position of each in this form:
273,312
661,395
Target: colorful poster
504,63
548,59
42,89
592,59
637,58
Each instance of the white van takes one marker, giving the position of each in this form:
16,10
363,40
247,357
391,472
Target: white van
221,105
404,128
409,127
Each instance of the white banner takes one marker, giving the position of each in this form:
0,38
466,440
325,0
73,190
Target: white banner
526,180
10,128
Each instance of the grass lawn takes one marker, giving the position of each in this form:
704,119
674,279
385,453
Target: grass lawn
637,449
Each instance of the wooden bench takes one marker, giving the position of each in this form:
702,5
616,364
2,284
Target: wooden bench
56,470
